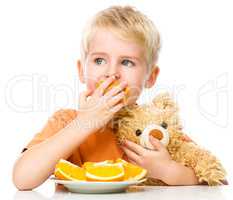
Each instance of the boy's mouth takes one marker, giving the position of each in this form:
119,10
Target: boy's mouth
115,84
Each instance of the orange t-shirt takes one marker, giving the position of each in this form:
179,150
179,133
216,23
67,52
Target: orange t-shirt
98,146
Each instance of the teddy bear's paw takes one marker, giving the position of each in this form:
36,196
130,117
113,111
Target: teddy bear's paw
209,170
212,177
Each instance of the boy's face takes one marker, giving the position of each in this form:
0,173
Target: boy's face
109,55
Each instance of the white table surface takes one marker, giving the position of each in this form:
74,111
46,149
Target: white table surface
49,191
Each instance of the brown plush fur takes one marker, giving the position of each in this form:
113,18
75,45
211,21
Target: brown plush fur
206,166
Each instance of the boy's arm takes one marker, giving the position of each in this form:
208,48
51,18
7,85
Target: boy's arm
37,163
178,174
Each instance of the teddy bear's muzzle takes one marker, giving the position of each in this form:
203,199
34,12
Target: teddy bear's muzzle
157,132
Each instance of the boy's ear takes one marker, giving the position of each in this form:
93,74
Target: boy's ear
80,71
152,77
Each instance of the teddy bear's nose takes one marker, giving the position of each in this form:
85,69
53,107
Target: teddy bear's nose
156,131
156,134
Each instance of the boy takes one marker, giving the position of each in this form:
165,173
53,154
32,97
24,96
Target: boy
118,43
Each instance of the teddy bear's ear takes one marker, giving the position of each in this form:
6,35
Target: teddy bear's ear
164,101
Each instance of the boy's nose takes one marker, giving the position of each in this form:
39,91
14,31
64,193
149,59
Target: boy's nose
117,76
113,70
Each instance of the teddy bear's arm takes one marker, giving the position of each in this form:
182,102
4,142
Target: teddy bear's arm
206,166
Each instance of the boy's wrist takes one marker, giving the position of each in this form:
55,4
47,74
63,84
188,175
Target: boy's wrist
178,174
167,171
83,124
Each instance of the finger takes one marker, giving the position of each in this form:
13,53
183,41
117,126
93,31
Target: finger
131,155
83,95
116,108
133,162
114,100
116,89
156,143
134,147
100,90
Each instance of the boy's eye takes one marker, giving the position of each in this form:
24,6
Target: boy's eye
128,63
100,61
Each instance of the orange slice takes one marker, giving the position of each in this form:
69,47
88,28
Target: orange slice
66,170
132,172
105,172
114,84
88,164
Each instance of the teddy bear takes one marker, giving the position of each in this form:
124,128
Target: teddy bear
160,119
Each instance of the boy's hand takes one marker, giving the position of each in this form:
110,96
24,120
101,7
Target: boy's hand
156,162
96,108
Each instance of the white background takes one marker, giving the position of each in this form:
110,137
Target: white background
39,47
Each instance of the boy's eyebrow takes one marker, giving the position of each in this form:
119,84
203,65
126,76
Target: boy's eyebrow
122,56
132,57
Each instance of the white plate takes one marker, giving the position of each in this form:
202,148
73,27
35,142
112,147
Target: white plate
96,187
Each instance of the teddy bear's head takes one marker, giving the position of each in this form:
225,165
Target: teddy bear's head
158,118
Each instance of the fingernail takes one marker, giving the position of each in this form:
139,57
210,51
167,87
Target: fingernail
151,137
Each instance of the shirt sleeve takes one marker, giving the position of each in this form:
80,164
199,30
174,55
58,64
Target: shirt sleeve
55,123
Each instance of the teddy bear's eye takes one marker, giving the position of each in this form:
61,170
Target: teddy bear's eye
164,125
138,132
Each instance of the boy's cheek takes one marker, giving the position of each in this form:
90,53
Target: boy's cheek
91,85
135,89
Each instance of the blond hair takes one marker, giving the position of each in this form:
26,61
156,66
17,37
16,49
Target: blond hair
129,24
